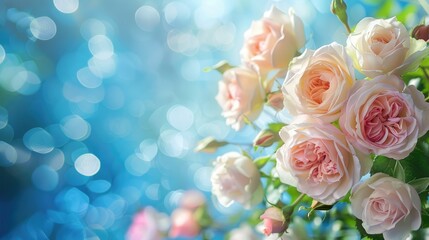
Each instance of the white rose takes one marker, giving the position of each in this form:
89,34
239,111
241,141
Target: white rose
383,46
386,205
273,41
318,82
235,178
240,96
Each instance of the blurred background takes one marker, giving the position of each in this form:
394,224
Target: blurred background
103,101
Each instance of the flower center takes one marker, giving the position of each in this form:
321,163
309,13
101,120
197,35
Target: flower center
384,122
312,159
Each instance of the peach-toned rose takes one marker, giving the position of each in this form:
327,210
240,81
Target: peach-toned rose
318,160
318,82
386,205
244,232
385,117
192,199
240,96
145,225
274,221
183,223
273,41
235,178
383,46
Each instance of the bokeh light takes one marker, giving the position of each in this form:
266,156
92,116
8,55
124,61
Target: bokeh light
43,28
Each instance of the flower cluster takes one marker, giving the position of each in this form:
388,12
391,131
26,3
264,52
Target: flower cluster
355,110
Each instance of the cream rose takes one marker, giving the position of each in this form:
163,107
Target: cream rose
273,41
386,205
318,83
318,160
235,178
240,96
383,46
385,117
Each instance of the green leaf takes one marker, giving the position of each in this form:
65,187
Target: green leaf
398,171
420,184
221,67
386,9
260,162
364,234
276,127
406,13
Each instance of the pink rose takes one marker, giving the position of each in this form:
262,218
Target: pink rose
183,223
240,96
244,232
385,117
192,200
318,160
386,205
383,46
318,83
274,221
275,100
273,41
145,225
235,178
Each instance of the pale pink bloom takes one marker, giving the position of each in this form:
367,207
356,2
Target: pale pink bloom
241,95
184,223
235,178
192,199
318,83
244,232
386,205
318,160
273,41
145,226
384,46
274,221
385,117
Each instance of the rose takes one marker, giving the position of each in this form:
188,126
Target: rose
273,41
421,32
385,117
318,160
318,83
274,221
235,178
145,225
383,46
275,100
192,200
183,223
243,232
240,96
386,205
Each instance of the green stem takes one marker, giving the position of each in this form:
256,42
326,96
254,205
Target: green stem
424,72
300,197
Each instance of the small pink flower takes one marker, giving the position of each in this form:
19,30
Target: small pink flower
145,226
275,100
274,221
183,223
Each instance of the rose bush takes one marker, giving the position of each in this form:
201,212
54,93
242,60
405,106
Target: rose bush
235,178
385,117
318,83
383,46
272,41
241,95
386,205
318,160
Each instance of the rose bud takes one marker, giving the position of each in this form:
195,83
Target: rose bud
265,138
274,221
209,145
275,100
421,32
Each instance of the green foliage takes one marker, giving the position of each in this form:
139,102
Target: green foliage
276,127
221,67
385,10
406,13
